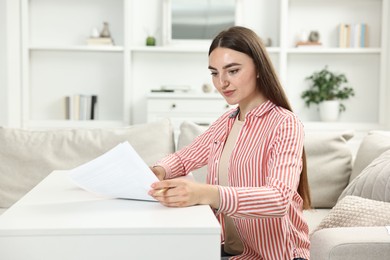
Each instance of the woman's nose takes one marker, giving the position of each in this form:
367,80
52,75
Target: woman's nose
223,81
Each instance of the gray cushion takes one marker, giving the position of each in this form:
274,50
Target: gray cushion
28,156
329,165
373,145
373,182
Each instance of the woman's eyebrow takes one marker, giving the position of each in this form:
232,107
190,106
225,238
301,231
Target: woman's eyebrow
231,65
226,66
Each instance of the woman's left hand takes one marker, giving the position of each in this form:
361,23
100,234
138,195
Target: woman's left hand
183,193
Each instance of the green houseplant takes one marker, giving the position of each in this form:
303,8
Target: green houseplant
326,85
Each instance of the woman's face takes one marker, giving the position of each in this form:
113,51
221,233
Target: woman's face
234,76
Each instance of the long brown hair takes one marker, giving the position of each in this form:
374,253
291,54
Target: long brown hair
244,40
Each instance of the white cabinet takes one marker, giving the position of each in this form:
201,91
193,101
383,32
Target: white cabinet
203,109
58,63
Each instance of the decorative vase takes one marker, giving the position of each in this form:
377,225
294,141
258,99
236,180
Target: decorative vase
150,41
329,110
105,33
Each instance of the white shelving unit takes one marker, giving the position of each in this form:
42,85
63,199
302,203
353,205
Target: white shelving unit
57,63
366,68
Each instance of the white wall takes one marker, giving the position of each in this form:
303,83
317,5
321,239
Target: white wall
3,74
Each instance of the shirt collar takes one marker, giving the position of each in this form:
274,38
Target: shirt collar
257,111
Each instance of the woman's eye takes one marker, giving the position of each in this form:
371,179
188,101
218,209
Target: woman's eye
213,73
233,71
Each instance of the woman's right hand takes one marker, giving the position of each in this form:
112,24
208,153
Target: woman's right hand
159,172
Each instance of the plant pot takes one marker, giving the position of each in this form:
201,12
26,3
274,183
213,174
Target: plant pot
329,110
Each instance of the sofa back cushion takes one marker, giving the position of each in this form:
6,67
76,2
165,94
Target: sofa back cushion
188,132
373,145
373,182
329,166
28,156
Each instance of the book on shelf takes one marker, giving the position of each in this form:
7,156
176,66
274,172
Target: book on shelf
353,35
81,107
100,41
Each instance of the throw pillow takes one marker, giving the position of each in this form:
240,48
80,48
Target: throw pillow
354,211
373,145
329,165
28,156
373,182
188,132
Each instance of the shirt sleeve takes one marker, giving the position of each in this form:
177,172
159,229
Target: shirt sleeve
283,173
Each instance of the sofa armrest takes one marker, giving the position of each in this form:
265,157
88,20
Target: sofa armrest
349,243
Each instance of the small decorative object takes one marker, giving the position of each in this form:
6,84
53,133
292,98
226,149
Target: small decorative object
104,38
302,36
150,41
206,88
95,32
327,86
151,36
105,33
313,40
314,36
268,43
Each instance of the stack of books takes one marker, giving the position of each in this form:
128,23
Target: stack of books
100,41
81,107
353,35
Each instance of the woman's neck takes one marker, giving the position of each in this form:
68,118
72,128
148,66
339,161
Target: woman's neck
245,107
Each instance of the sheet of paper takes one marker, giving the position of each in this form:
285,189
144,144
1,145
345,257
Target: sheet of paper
119,173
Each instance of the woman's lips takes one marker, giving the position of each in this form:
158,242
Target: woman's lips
228,93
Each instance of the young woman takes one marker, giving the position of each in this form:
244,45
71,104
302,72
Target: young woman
257,181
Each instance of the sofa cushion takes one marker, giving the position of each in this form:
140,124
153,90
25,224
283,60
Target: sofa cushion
354,211
188,132
28,156
373,145
373,182
329,165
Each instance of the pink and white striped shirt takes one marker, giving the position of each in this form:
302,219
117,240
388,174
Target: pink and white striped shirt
264,172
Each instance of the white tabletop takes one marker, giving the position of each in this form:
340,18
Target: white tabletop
57,207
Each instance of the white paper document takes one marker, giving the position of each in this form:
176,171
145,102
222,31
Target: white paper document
119,173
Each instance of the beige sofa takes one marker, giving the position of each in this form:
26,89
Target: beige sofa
350,192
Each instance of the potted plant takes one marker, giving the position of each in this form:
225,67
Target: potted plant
327,89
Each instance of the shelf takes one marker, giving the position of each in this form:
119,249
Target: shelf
323,50
184,49
57,62
78,48
168,49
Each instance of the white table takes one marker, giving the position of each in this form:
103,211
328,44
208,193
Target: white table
57,220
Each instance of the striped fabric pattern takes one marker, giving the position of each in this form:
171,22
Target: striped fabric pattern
264,171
